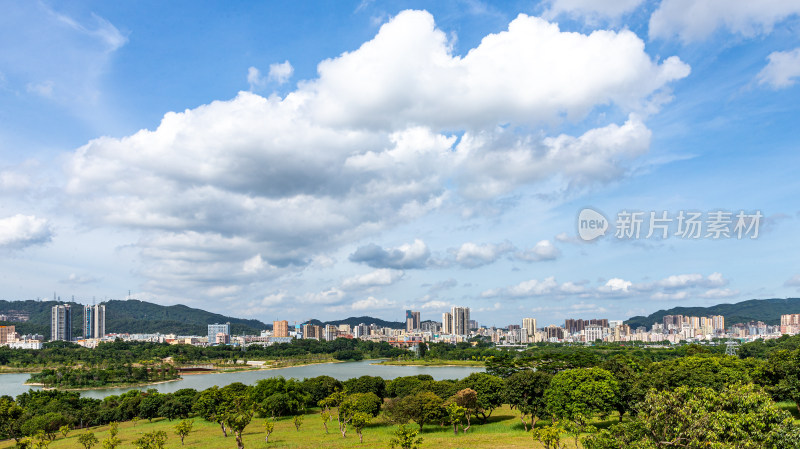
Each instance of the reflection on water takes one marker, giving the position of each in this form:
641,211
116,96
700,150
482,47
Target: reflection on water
13,384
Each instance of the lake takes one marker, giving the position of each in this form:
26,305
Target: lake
14,384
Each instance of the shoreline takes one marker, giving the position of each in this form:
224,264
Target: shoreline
430,364
256,368
104,387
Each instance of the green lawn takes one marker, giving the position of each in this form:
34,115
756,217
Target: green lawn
504,430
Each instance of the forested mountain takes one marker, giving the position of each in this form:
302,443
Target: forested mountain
766,310
356,320
131,316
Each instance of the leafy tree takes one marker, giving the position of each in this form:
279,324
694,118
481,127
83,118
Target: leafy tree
628,373
581,392
281,404
405,438
134,420
183,428
64,430
325,415
502,365
237,421
489,389
209,406
740,416
421,408
714,372
151,440
524,390
366,384
87,439
455,415
298,421
111,442
550,436
113,428
150,405
468,400
320,387
781,375
359,421
269,427
10,413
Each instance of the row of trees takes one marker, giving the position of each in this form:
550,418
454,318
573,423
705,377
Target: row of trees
67,377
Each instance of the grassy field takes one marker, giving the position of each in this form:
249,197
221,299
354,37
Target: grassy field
504,430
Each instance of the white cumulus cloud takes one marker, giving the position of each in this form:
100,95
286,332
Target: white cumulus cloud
782,70
20,231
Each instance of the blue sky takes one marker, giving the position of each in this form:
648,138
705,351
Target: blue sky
333,159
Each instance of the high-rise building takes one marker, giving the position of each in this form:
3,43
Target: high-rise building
214,330
7,335
718,323
94,321
312,331
280,328
447,323
61,323
460,320
529,324
412,320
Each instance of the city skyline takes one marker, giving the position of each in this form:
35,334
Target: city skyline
538,159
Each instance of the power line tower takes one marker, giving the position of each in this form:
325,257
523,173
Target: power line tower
731,347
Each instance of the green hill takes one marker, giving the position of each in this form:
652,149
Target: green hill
131,316
356,320
766,310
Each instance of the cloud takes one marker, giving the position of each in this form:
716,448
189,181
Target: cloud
366,146
720,293
782,70
21,231
406,256
677,296
683,281
592,11
793,281
76,279
524,289
592,158
543,250
377,278
280,72
255,79
372,303
57,56
695,20
616,285
473,255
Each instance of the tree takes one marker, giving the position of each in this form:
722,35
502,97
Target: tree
405,438
489,389
581,392
113,428
421,408
628,373
269,427
741,416
134,420
183,428
781,375
87,440
320,387
209,406
111,442
550,436
524,390
298,421
359,421
502,365
715,372
64,430
237,421
468,400
10,413
455,415
150,405
366,384
151,440
325,415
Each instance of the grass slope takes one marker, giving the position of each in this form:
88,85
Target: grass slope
503,431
